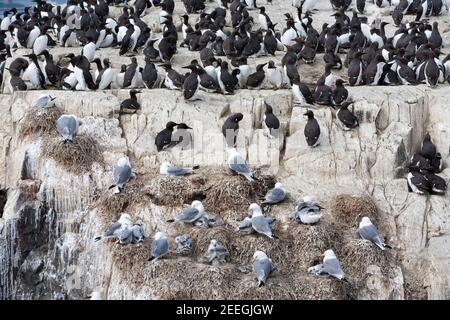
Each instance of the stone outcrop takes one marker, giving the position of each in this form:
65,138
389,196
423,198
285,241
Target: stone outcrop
51,216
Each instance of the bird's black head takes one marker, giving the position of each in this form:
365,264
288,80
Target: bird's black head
271,64
170,125
309,114
237,117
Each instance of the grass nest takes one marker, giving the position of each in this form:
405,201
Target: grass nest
184,279
111,205
358,254
131,257
217,190
292,287
38,121
170,191
227,192
77,157
350,209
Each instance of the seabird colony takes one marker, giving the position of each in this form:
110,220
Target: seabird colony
227,37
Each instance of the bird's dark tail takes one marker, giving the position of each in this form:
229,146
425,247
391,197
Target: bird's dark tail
97,238
387,246
261,283
170,220
195,167
151,259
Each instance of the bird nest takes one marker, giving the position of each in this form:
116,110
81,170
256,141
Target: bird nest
357,255
292,287
217,190
170,191
111,205
183,279
131,257
38,121
76,157
350,209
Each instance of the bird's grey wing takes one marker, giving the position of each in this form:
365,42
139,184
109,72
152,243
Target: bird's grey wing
275,195
159,247
177,171
67,125
309,217
262,269
261,225
42,102
122,174
138,232
246,223
238,164
189,215
333,267
370,232
221,250
112,229
125,236
271,221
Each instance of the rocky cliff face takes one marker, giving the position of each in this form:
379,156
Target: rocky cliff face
52,213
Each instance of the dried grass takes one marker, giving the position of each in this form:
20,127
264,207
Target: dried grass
184,279
131,261
358,254
350,209
77,157
38,121
111,205
217,190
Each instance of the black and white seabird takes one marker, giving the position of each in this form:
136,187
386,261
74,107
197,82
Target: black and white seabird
120,76
256,79
417,182
274,75
163,139
230,128
105,76
340,93
347,119
191,83
228,81
173,80
150,74
437,184
355,70
271,122
302,94
323,93
428,149
34,72
130,105
312,130
51,70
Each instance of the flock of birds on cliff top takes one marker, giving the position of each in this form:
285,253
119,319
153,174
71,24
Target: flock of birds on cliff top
410,56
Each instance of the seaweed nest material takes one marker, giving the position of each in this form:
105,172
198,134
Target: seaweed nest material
350,209
76,157
38,121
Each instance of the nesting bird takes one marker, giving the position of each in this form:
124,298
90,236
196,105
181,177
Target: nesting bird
122,173
307,211
160,246
171,170
67,126
262,267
